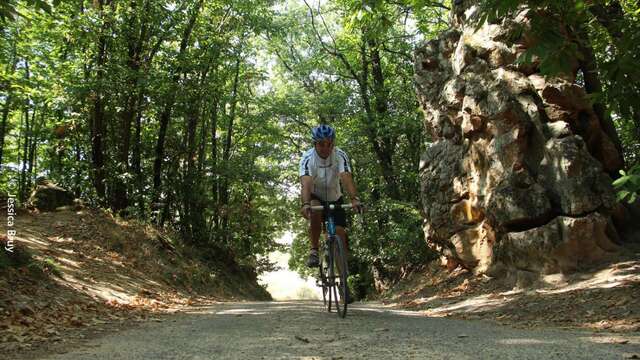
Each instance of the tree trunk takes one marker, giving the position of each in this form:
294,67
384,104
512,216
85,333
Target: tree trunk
189,186
381,94
137,160
121,199
197,154
135,40
166,209
97,134
19,142
3,125
33,146
215,187
383,154
31,153
635,115
387,142
78,175
97,123
27,138
226,154
7,104
588,66
60,152
162,133
203,143
165,116
611,16
23,156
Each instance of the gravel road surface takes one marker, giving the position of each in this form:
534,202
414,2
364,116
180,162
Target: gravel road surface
304,330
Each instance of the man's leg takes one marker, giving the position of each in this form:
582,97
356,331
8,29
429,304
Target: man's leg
314,235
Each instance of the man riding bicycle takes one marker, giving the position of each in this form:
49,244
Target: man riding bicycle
322,169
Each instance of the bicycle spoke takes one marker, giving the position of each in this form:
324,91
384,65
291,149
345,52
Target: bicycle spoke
341,272
331,278
323,281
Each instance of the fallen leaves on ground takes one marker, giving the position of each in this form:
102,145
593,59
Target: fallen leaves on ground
108,271
598,299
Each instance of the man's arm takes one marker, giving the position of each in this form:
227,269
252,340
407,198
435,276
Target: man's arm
347,182
307,183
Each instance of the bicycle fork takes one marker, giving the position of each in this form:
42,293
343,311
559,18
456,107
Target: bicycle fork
330,244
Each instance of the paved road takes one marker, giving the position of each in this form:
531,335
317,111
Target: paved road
302,330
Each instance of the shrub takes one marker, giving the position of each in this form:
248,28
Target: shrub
628,185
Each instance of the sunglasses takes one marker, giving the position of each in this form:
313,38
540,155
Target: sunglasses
324,143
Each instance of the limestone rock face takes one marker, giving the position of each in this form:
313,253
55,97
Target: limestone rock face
558,246
516,175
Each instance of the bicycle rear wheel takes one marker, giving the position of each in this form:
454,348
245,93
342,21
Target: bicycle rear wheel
340,291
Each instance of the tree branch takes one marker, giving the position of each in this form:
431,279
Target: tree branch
396,52
163,36
333,51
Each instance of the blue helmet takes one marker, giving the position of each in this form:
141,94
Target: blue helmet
322,132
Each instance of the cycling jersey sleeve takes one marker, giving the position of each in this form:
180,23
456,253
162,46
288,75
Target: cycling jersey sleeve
343,162
305,167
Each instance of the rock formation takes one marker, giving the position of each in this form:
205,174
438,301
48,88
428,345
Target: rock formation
516,175
48,196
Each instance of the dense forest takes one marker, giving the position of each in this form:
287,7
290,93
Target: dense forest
192,115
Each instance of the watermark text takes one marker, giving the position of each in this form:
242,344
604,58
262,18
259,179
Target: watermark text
11,220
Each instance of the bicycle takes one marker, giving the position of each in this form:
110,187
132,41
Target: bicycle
333,270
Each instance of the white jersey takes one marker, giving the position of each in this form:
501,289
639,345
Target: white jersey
325,172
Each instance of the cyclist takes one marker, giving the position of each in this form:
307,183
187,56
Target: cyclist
322,170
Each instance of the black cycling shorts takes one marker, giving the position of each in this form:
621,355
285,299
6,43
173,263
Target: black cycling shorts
339,215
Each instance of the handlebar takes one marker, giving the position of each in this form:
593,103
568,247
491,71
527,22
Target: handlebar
331,207
344,206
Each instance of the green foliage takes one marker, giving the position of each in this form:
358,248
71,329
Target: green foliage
45,266
264,73
628,185
551,50
10,9
54,71
391,234
324,87
492,11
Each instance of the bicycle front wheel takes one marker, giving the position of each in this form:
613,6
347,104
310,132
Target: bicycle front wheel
340,290
324,282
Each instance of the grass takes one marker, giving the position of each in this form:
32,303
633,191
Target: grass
47,266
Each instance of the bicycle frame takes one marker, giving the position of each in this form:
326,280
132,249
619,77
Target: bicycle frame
330,228
330,231
330,225
328,280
